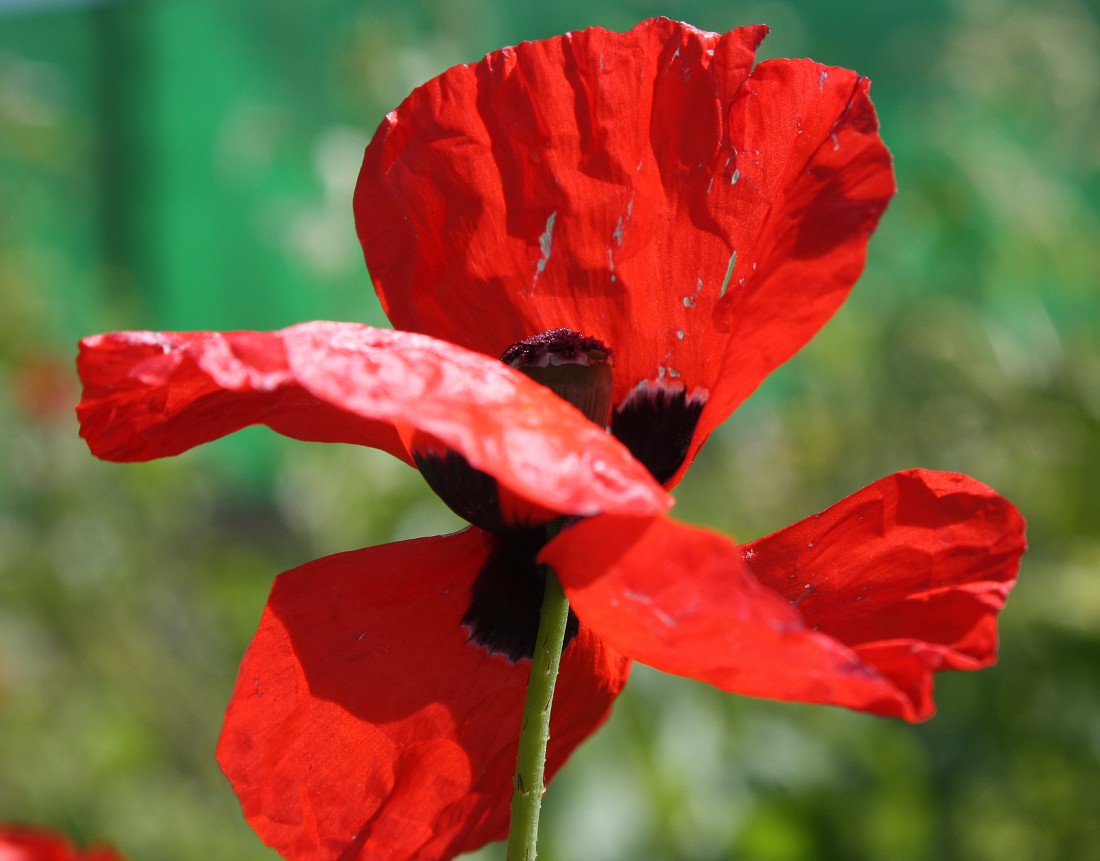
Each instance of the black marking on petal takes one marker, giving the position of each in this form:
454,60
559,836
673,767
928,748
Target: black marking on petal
470,493
656,422
506,598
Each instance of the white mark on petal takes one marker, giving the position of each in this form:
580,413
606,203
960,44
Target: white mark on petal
729,274
548,235
545,243
617,233
689,301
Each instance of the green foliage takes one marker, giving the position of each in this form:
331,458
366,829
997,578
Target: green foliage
189,164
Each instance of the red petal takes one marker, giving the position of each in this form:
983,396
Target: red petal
817,177
604,182
364,725
856,606
918,561
35,844
152,395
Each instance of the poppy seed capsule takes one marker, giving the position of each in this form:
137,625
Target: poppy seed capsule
575,367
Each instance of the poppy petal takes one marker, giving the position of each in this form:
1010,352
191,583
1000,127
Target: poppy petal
819,192
856,606
365,724
649,189
917,562
155,394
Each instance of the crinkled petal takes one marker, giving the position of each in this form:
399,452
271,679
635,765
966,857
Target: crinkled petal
856,606
919,561
647,188
365,725
154,394
816,177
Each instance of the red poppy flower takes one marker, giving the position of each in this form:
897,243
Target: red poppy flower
647,224
33,844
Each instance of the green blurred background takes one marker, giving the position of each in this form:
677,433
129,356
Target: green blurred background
189,164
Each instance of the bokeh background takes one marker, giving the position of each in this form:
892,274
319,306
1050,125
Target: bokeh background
189,164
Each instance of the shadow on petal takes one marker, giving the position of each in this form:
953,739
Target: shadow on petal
363,717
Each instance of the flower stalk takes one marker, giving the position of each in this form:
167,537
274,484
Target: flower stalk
535,727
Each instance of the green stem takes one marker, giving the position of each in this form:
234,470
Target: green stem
535,729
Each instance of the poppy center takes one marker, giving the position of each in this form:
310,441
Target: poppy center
506,598
577,369
655,421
